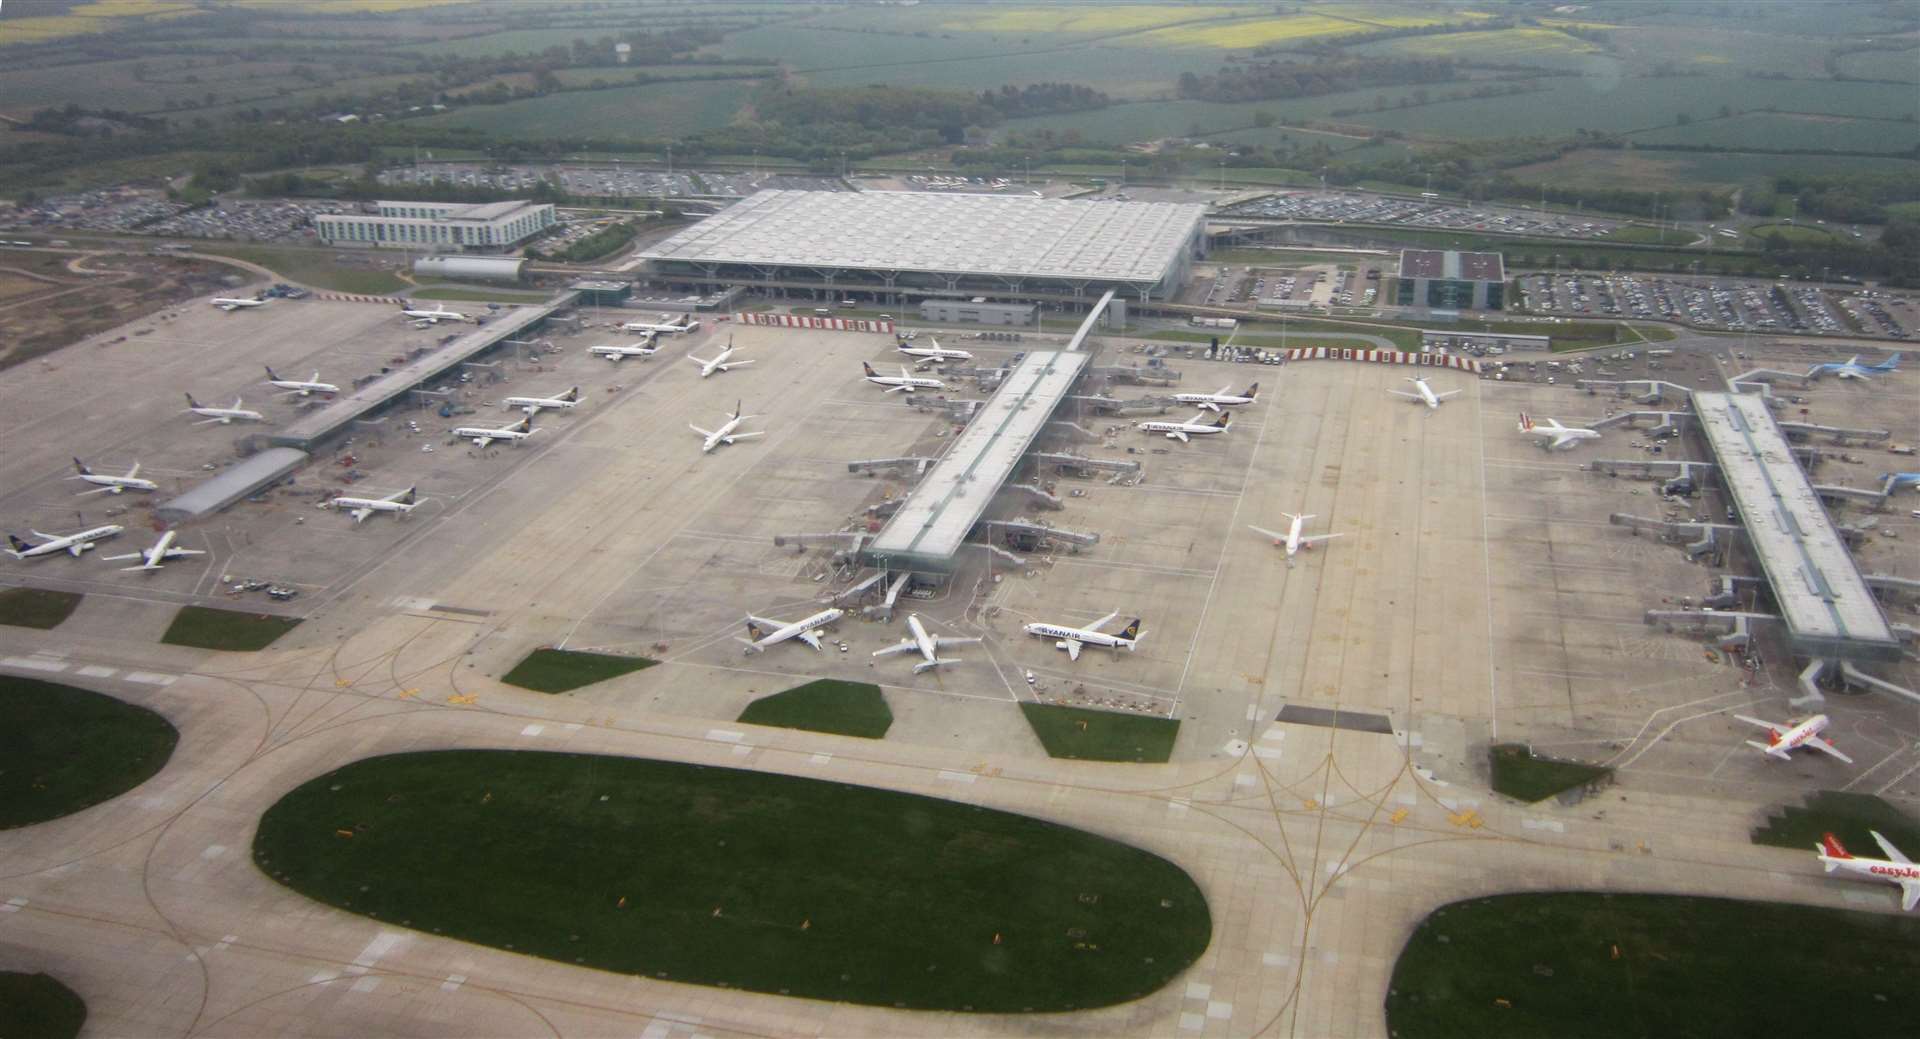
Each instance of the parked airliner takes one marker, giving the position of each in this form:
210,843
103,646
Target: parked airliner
401,502
112,484
154,558
1292,540
224,416
1182,431
935,353
532,405
1216,401
725,434
1782,740
763,632
620,352
1851,368
928,646
1424,394
231,305
902,383
1074,639
482,436
434,316
664,327
71,544
303,387
1895,868
720,362
1554,436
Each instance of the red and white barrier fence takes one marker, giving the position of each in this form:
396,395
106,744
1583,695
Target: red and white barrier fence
1341,353
833,324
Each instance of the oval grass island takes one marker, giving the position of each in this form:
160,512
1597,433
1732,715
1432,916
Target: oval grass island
748,880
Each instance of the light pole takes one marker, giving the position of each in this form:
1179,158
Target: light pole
1223,174
1123,173
1026,180
669,160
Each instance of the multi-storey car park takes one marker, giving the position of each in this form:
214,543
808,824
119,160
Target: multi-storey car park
892,246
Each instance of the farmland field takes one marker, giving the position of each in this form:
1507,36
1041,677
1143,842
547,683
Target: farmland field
1901,65
1606,167
859,60
658,109
1247,34
1545,48
1760,129
1720,51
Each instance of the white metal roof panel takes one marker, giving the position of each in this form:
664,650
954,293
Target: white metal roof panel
1013,235
937,515
1813,574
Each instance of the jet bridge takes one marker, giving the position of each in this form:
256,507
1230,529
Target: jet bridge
1840,434
1650,391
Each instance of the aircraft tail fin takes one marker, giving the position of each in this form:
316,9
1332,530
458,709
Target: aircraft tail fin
1131,632
191,403
410,497
864,366
270,374
1253,392
19,546
1832,851
1759,746
572,394
81,467
1224,420
1526,422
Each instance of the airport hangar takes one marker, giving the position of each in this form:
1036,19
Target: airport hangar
894,247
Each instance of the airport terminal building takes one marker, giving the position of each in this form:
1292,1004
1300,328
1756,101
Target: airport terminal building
441,227
1450,280
899,245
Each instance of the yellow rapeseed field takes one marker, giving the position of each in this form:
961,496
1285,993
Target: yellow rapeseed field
1498,41
1255,32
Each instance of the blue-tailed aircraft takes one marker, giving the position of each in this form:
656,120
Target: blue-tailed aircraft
1851,368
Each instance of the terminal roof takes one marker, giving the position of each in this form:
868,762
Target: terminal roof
936,517
1014,235
1826,603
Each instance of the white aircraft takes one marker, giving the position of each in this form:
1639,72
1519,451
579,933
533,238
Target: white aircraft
224,416
725,434
1181,431
113,484
1895,868
1554,436
532,405
1782,740
781,631
482,436
928,646
1851,368
1074,639
1215,401
902,383
154,558
434,316
665,326
620,352
71,544
935,353
231,305
402,502
719,362
1424,394
1292,539
304,388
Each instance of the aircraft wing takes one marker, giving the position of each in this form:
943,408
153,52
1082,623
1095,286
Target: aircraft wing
1892,852
1562,441
1827,747
1274,534
809,638
1773,726
940,643
766,623
116,559
905,646
172,552
1104,621
1909,894
1073,648
743,436
78,547
1449,393
731,365
1224,390
697,429
482,441
1317,538
361,513
1179,435
1401,393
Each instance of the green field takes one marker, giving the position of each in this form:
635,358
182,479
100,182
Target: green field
315,267
204,627
750,880
1075,732
1901,65
1542,48
1804,132
37,1006
1729,51
1526,966
649,111
36,607
63,749
548,670
1611,167
1520,774
449,292
1847,816
844,708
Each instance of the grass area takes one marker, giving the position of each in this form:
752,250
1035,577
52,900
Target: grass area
649,111
36,607
1519,774
37,1006
1541,48
315,267
749,880
1075,732
1822,132
1798,234
63,749
1847,816
564,670
1656,171
1641,234
205,627
1590,964
1290,258
844,708
479,295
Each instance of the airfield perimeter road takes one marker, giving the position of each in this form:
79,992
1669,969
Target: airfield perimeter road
1477,587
